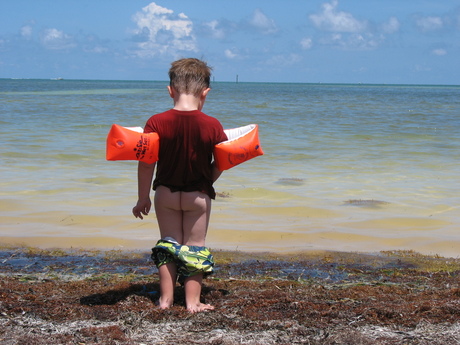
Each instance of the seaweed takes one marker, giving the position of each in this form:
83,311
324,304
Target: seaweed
96,297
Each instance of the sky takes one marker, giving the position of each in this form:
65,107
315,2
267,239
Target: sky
306,41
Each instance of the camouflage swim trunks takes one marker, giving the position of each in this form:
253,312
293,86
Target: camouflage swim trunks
190,260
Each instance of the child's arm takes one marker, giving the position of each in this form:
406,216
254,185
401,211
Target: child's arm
215,172
144,183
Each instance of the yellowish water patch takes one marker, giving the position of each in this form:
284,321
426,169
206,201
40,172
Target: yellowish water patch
77,242
398,223
255,241
262,196
440,209
56,223
244,226
9,205
273,240
297,211
66,219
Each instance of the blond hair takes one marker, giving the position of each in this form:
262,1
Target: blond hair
190,76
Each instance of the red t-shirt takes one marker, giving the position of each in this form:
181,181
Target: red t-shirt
187,140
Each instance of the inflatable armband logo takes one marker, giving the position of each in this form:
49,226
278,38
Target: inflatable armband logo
129,143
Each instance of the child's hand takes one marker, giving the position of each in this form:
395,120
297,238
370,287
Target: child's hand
142,208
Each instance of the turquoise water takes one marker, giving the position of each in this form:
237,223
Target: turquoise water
346,167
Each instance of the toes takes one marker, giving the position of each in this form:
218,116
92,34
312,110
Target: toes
200,308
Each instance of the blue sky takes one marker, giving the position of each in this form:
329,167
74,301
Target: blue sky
330,41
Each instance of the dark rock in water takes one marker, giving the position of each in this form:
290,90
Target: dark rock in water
291,181
369,203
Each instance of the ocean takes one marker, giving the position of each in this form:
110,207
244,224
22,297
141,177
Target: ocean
347,167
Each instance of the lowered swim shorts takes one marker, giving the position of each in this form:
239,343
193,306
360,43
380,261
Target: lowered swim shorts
190,260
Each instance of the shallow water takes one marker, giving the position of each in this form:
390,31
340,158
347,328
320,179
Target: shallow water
324,146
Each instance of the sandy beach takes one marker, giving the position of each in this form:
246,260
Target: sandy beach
79,296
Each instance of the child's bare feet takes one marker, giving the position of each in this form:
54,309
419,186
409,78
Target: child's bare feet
192,295
165,304
199,307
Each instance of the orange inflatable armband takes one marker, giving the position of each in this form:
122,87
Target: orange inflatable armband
129,143
243,144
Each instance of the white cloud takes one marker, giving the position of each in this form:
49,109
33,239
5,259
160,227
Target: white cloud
391,26
356,41
230,54
336,21
439,52
159,31
284,60
215,31
261,22
426,24
363,41
56,40
421,68
26,31
306,43
96,50
92,44
342,30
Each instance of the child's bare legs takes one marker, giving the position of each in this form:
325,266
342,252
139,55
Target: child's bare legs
168,276
184,216
192,294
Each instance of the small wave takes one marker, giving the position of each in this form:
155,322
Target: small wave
69,156
14,154
262,195
103,180
261,106
365,203
49,191
291,181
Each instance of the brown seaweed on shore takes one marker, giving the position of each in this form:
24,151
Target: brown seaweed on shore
85,297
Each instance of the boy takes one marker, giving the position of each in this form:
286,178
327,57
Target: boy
183,183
